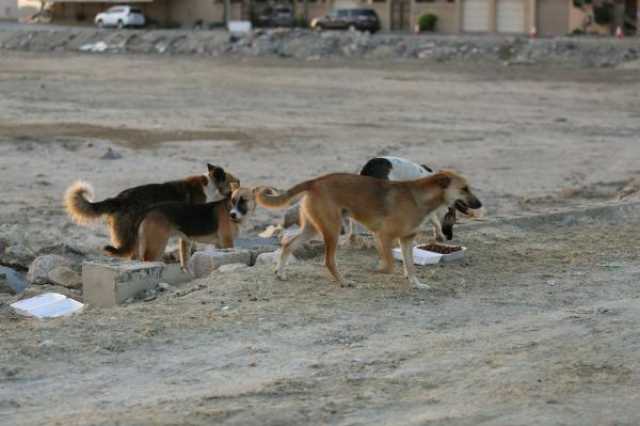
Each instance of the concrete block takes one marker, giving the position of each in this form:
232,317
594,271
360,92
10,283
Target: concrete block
173,274
110,284
233,267
202,263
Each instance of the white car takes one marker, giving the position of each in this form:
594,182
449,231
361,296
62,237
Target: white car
120,16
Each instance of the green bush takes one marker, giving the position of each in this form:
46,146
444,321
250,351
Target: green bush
300,22
427,22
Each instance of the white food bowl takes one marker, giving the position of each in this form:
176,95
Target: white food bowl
425,257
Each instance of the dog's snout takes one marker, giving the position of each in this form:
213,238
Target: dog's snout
233,215
461,206
474,203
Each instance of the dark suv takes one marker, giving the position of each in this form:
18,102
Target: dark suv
278,16
345,19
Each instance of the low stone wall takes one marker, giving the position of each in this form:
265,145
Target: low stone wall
308,45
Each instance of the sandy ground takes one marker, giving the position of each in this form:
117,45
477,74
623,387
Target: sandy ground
537,326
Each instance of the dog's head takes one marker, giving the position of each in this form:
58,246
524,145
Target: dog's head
456,191
243,203
220,183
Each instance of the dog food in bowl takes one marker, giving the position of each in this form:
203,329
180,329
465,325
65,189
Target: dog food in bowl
440,248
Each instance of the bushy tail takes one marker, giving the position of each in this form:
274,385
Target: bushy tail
269,198
77,201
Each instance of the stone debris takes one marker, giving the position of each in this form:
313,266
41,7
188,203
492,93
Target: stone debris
111,155
11,281
202,263
272,257
309,45
42,265
65,277
164,287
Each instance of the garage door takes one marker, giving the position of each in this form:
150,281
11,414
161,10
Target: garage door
553,17
510,16
475,15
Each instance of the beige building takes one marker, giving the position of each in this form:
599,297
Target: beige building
547,17
8,10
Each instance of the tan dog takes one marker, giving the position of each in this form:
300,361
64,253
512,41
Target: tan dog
390,210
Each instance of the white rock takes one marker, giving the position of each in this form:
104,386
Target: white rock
202,263
272,257
164,286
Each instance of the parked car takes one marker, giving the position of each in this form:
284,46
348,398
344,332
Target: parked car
278,16
348,19
121,16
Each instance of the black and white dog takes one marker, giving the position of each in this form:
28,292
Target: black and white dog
400,169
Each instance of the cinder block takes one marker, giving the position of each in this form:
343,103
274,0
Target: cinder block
202,263
110,284
174,275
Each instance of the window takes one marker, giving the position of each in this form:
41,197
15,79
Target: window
364,12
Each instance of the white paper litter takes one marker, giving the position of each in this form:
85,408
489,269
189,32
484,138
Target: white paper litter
239,27
425,257
48,305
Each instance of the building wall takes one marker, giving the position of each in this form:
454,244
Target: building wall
317,8
188,12
383,9
9,10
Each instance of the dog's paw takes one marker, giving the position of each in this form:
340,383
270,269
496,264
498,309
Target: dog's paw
418,284
281,275
383,270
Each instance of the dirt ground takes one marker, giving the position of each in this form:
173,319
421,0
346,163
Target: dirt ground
538,325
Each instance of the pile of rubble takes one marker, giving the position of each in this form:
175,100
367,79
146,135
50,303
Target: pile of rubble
105,281
310,45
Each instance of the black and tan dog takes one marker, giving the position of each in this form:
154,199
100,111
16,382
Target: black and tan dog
390,210
215,223
123,209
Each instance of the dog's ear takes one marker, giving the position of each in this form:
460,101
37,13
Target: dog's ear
219,175
443,181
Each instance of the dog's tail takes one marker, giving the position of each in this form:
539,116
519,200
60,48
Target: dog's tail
77,201
271,199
